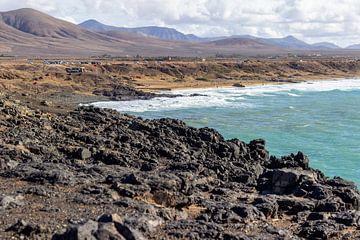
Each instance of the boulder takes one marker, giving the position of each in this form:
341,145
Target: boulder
292,161
83,154
22,228
267,205
350,196
293,206
349,218
314,216
248,213
84,231
108,226
11,201
332,204
320,192
284,180
319,230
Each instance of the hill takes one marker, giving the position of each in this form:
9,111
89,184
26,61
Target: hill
286,42
325,45
241,42
28,32
355,46
170,34
42,25
151,31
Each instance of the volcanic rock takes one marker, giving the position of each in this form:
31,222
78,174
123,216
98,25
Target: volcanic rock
159,179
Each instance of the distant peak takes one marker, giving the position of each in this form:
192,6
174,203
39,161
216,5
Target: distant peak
91,21
26,10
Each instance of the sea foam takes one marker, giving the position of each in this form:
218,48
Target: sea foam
228,97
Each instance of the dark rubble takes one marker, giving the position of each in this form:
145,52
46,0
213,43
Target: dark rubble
100,174
127,93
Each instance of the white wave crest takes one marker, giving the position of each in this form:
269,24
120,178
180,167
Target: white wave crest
227,97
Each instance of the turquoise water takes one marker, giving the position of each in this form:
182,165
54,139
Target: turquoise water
322,119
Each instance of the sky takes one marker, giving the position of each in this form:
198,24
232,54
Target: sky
336,21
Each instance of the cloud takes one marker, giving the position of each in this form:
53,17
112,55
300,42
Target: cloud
320,20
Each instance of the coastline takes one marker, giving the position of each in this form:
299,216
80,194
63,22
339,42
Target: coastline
69,100
68,170
125,80
158,179
239,112
174,96
201,92
272,112
252,84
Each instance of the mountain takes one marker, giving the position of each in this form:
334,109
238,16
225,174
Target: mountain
163,33
96,26
354,47
39,24
151,31
325,45
28,32
289,42
286,42
241,42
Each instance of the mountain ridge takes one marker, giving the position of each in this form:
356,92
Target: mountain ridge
326,45
354,47
164,33
31,32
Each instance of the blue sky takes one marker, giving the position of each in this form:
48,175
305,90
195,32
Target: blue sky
312,20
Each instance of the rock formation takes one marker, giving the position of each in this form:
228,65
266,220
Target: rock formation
100,174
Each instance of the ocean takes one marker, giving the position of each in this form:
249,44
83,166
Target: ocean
320,118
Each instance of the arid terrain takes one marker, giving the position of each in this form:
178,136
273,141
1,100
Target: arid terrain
36,82
83,173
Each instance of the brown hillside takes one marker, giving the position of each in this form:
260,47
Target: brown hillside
9,34
27,32
39,24
242,42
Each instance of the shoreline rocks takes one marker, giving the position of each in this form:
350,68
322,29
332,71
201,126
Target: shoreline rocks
127,93
159,179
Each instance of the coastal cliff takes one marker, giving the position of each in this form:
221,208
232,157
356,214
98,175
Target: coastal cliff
100,174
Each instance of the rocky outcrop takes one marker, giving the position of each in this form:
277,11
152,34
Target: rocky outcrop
126,93
124,177
108,226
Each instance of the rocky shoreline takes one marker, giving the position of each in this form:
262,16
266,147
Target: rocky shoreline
100,174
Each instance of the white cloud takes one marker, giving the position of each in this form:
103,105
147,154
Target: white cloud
320,20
